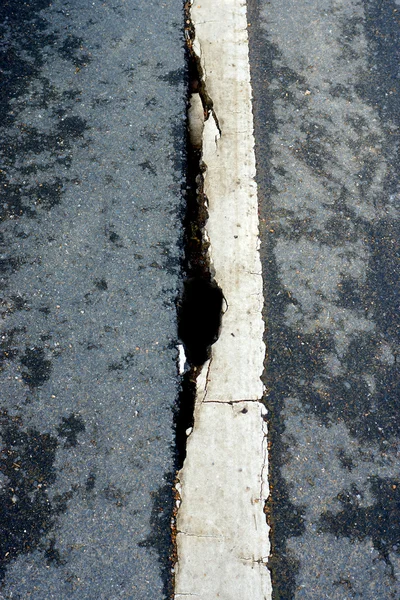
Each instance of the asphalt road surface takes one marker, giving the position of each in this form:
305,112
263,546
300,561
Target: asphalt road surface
326,86
92,137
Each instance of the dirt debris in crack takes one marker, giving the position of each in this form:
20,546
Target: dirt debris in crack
197,83
184,415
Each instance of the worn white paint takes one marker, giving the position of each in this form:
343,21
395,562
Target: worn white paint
222,534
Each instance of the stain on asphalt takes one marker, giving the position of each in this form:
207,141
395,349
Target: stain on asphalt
379,521
37,367
126,362
72,49
20,64
70,128
101,285
173,77
70,428
28,150
52,555
90,482
27,467
47,194
160,537
117,496
147,166
11,264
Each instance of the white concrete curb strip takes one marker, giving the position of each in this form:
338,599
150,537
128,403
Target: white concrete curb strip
222,534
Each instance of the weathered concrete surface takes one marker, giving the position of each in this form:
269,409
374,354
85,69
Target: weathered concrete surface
92,131
327,109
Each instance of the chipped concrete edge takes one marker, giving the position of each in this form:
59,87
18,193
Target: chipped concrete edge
222,536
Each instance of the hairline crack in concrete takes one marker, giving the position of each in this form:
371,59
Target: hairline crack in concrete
222,487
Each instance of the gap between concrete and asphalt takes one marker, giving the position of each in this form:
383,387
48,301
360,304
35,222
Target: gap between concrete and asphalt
222,534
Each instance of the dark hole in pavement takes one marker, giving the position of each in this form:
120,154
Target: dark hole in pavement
200,318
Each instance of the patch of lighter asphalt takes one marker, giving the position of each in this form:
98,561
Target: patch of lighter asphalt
222,534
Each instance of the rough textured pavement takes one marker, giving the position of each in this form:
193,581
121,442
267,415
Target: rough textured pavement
327,109
92,132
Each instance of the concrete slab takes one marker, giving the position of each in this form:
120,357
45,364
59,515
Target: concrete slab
222,534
